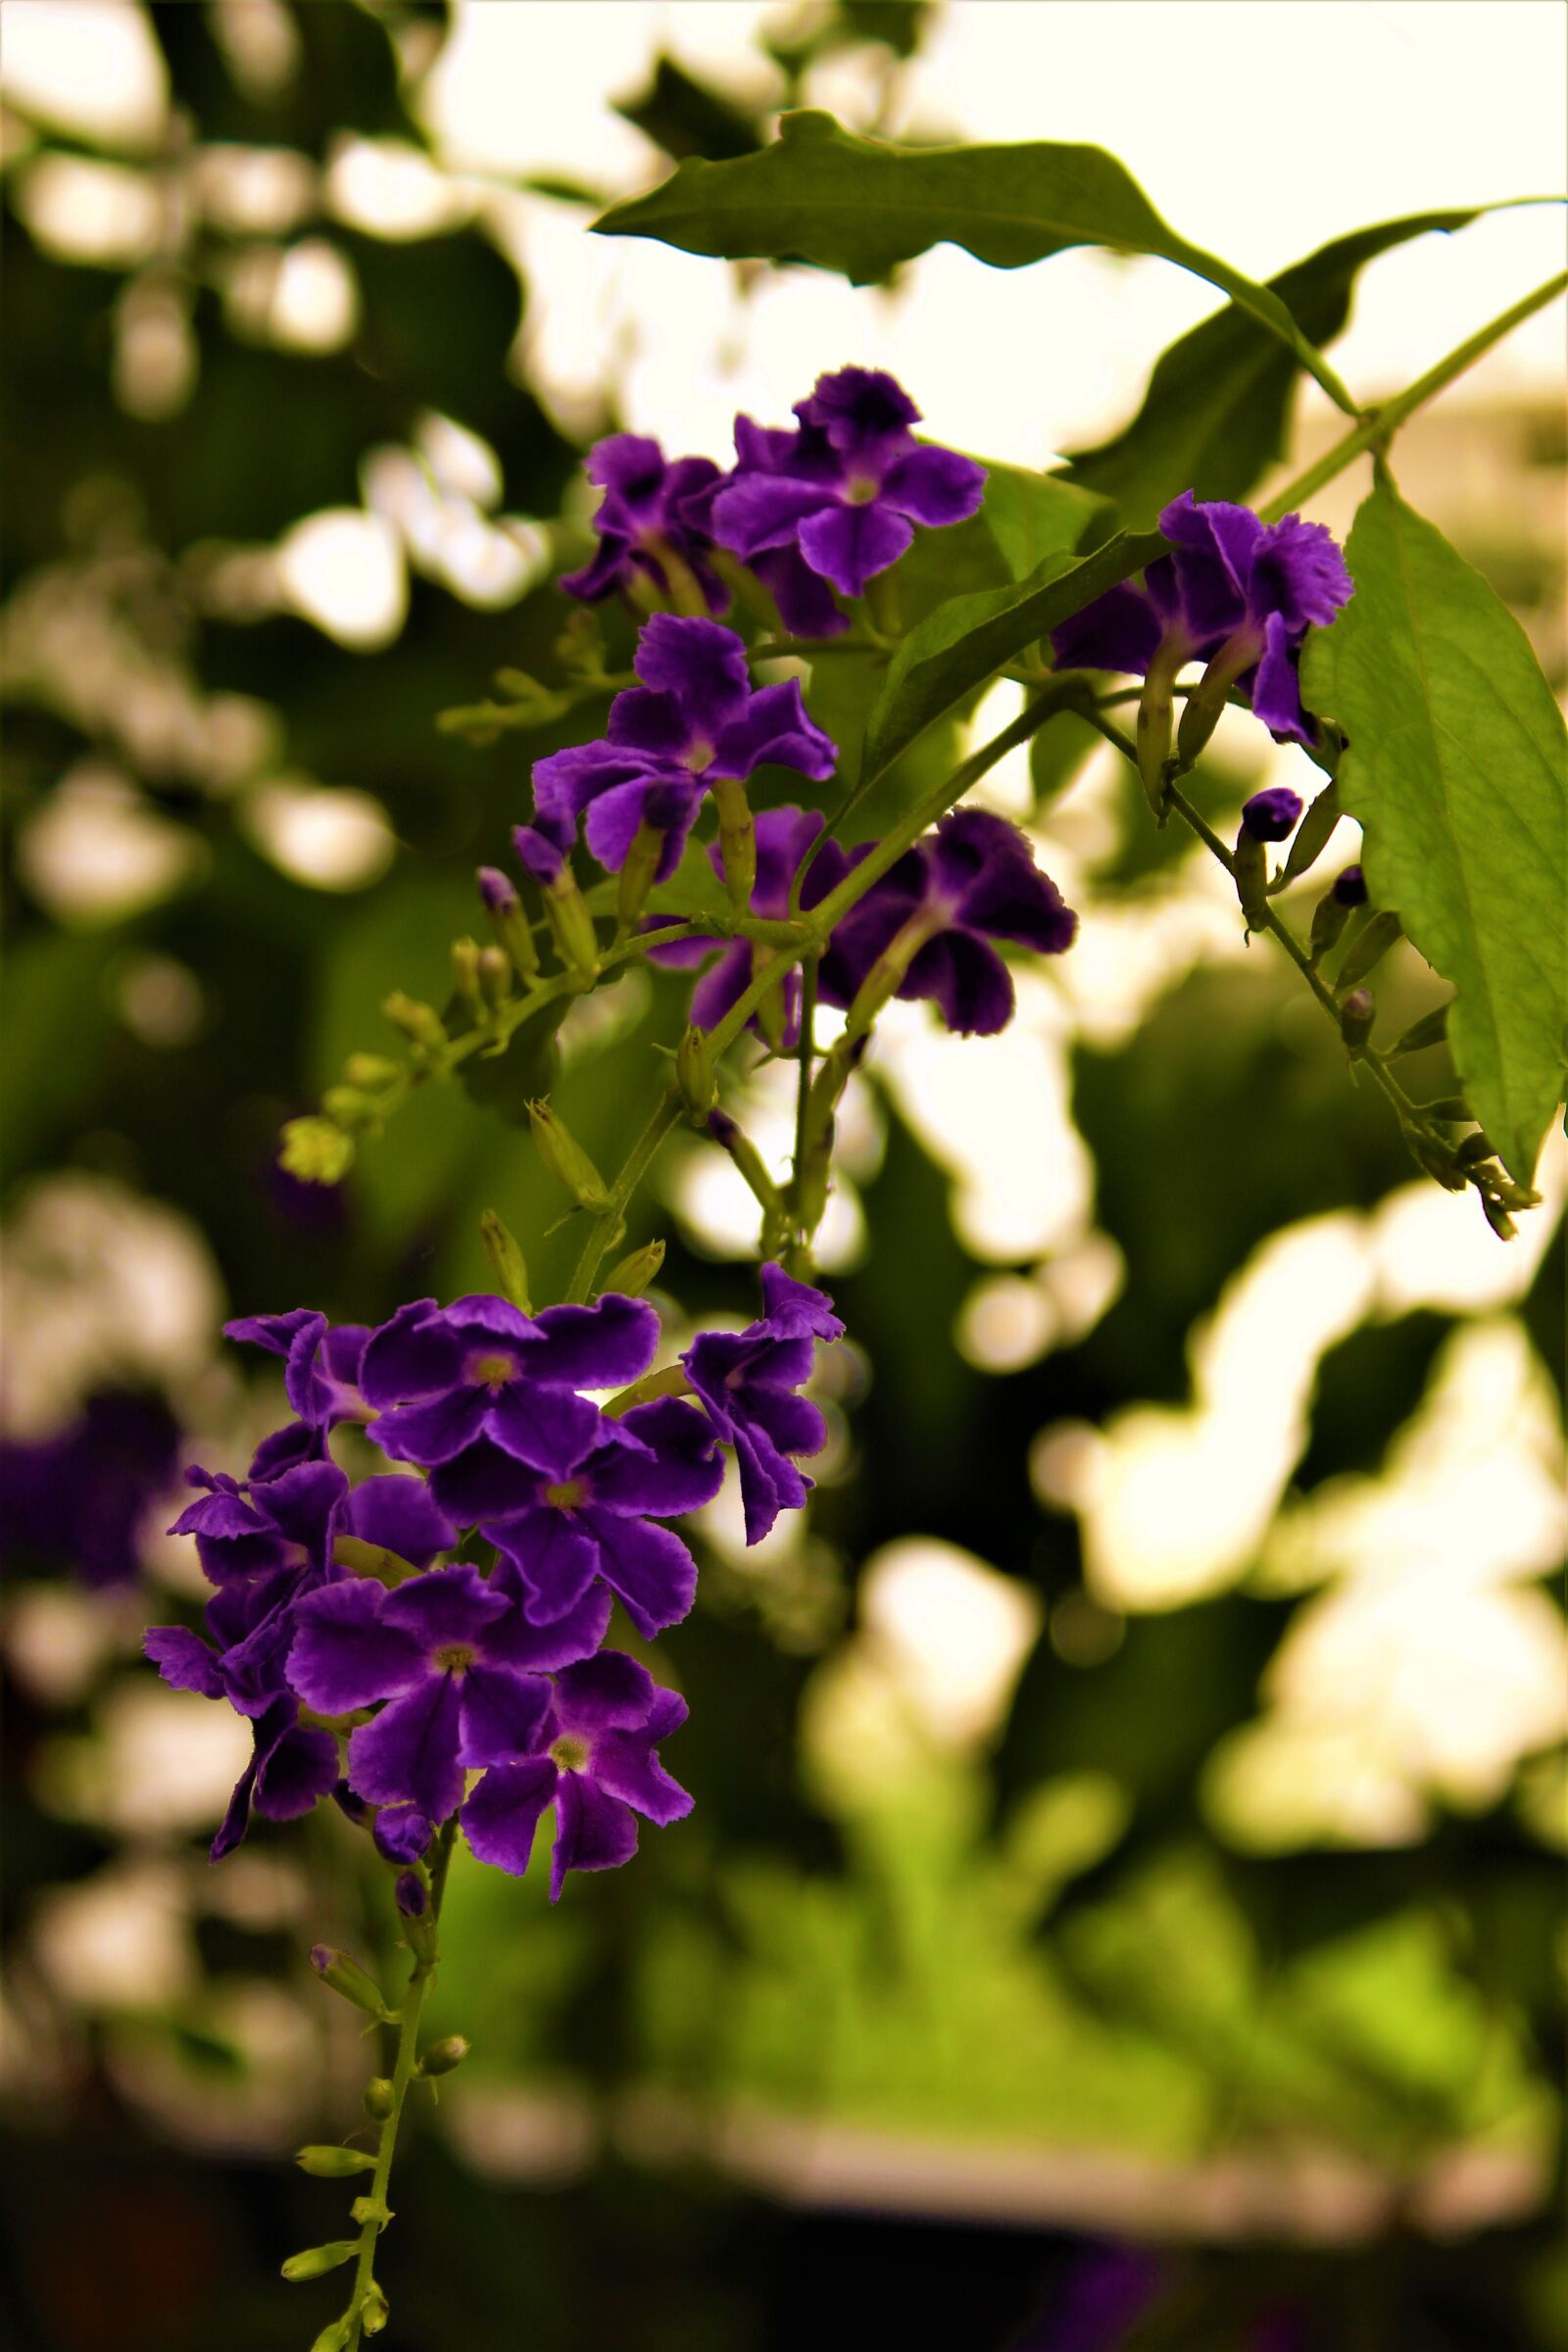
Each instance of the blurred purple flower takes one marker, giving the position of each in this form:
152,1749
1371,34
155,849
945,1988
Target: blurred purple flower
747,1381
645,516
79,1498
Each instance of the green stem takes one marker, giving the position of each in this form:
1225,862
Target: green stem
402,2076
1381,423
637,1162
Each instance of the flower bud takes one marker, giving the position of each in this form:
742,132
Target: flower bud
1450,1109
347,1977
334,2336
638,873
316,2260
465,975
334,2164
638,1272
1475,1149
495,976
693,1070
744,1153
1312,838
371,1070
317,1151
1154,711
373,2311
1430,1030
567,1159
349,1109
507,1262
1367,950
1357,1014
737,840
1202,712
442,2056
419,1023
511,925
1273,815
1497,1217
370,2209
1349,887
410,1894
378,2099
1249,872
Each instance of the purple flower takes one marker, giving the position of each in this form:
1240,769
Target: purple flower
589,1514
595,1763
747,1381
1271,814
443,1378
645,516
783,837
692,722
972,880
845,491
402,1832
293,1764
456,1661
81,1497
1233,585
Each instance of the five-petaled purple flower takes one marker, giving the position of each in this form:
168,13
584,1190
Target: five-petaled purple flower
1234,587
845,489
595,1763
694,721
644,520
747,1380
460,1666
970,881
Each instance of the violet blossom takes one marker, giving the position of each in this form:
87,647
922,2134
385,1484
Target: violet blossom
1235,590
595,1763
845,491
747,1381
970,881
693,722
81,1495
644,520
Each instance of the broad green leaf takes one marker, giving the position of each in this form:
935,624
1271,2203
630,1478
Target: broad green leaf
859,206
1033,516
967,641
1457,768
1214,417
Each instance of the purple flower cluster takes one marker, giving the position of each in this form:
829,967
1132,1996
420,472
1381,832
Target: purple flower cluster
338,1609
1232,588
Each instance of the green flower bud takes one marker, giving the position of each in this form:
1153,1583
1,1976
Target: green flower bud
355,1983
420,1023
1312,837
573,927
316,2260
371,1069
1154,711
693,1070
465,975
334,2336
495,976
317,1151
507,1262
1250,867
1452,1110
1357,1014
637,875
1368,949
373,2311
638,1272
1329,919
334,2164
1430,1030
737,840
567,1159
347,1108
1475,1149
442,2056
378,2098
370,2209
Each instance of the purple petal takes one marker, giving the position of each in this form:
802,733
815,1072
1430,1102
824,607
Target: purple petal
793,1309
302,1504
759,511
805,601
400,1515
849,545
414,1354
935,486
1215,544
791,1424
183,1660
410,1752
774,727
698,661
675,1468
1276,686
719,991
966,979
606,1345
565,784
615,817
299,1771
434,1433
593,1831
770,1482
502,1715
236,1819
556,1557
275,1332
402,1832
285,1448
343,1656
540,1648
549,1429
485,1483
654,724
450,1608
647,1566
1300,573
1119,630
624,1763
502,1816
607,1693
855,406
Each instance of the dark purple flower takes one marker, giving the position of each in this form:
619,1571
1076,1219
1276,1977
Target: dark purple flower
402,1832
694,721
79,1498
1234,586
645,516
846,490
292,1766
970,881
590,1514
1349,887
747,1381
1271,814
455,1659
596,1764
783,837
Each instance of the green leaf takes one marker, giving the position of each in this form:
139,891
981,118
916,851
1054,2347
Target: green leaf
859,206
1455,767
1033,516
1215,414
965,642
